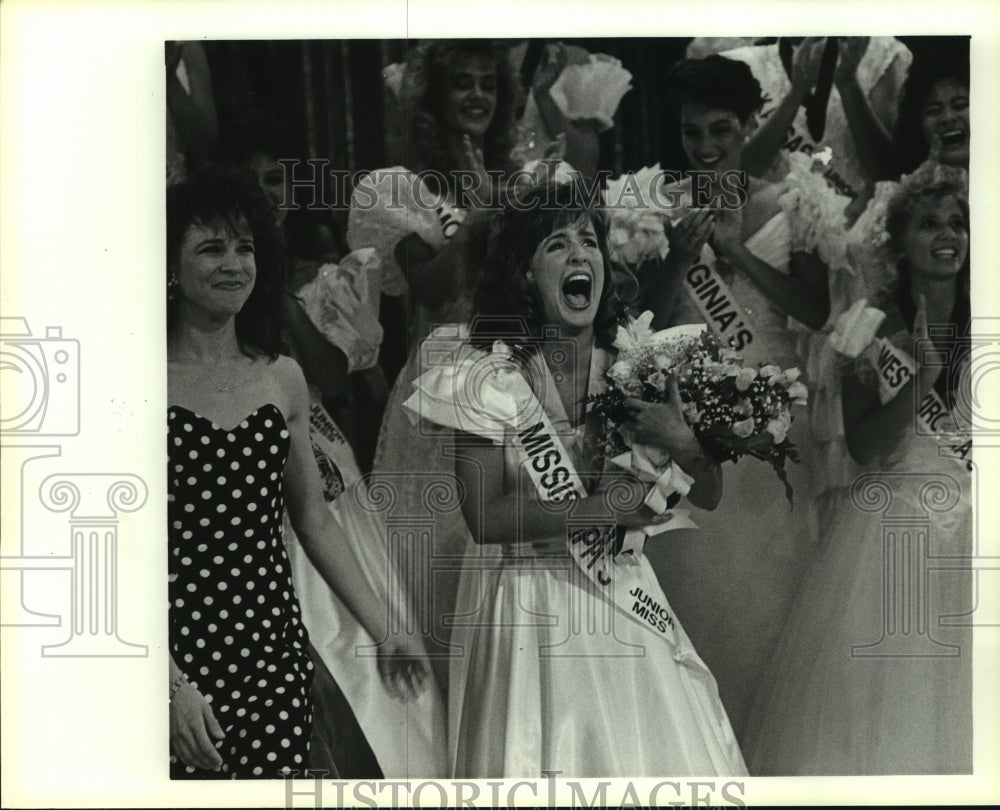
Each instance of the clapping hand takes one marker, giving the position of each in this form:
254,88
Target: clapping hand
471,160
555,59
805,69
688,236
727,235
852,50
926,375
403,665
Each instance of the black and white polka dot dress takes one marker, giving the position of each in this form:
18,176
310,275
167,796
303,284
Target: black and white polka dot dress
235,624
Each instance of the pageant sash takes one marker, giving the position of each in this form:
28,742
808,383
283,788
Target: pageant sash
551,469
719,307
895,369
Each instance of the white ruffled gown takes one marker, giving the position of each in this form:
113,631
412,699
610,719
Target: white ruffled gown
408,740
553,677
732,580
415,464
832,702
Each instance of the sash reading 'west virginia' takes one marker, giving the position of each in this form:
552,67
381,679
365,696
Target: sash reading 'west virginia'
895,369
718,306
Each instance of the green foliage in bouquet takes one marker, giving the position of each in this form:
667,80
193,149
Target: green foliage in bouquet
734,410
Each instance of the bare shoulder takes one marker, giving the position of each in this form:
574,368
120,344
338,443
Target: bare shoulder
286,379
287,371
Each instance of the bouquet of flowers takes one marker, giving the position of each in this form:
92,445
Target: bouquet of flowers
735,410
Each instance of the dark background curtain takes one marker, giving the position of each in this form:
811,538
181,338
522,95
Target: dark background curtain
331,93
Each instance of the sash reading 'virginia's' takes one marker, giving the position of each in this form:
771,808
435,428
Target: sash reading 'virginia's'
719,307
895,369
551,469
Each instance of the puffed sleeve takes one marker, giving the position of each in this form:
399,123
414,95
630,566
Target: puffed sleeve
815,212
466,388
867,240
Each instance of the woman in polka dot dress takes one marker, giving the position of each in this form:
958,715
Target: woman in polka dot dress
239,455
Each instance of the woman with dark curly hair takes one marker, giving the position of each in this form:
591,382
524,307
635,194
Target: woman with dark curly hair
534,690
873,672
240,453
459,97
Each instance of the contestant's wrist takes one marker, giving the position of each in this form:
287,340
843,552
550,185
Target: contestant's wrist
176,684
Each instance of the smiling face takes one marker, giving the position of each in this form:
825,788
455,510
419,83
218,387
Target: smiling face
944,119
568,272
713,138
936,239
470,96
215,269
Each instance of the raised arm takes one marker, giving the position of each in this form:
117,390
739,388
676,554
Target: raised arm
871,140
194,112
803,293
582,143
686,238
766,143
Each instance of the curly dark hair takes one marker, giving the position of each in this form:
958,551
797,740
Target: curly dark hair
716,82
932,183
425,89
506,305
944,61
226,195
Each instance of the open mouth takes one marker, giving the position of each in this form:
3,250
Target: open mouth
953,137
577,289
229,286
476,111
710,161
945,253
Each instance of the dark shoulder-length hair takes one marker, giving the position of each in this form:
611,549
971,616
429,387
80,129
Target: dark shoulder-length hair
932,183
425,91
716,82
935,64
506,305
225,195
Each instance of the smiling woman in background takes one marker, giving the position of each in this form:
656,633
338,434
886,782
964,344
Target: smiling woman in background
460,97
850,689
749,553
